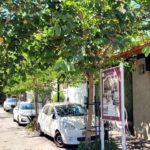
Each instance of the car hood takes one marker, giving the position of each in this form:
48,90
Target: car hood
27,112
77,121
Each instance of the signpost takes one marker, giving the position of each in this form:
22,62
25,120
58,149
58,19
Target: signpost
112,99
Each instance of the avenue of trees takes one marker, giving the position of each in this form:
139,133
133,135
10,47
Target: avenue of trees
43,40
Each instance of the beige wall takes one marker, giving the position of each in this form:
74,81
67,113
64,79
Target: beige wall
141,101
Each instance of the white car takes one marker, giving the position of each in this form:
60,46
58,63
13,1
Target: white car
9,104
24,113
65,122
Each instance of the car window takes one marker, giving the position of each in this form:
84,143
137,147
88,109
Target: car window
26,106
45,110
70,109
50,110
10,100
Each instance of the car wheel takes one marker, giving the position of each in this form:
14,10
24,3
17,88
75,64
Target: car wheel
4,109
40,133
19,124
58,140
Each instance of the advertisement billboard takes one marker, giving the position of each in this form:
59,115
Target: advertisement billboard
111,94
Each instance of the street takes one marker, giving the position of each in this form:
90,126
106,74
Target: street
14,137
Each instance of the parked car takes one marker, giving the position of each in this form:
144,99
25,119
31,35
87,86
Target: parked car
65,122
24,113
9,103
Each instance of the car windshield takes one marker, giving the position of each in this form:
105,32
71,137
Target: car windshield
27,106
10,100
70,110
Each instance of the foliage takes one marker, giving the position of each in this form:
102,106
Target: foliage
44,83
96,145
66,73
32,125
85,34
61,96
146,50
77,35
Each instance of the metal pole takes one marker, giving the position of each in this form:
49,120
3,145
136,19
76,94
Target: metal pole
122,108
102,134
99,121
95,105
102,122
58,91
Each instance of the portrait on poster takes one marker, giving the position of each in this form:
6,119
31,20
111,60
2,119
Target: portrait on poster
111,94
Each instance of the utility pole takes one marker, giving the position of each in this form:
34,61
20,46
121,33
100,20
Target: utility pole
58,91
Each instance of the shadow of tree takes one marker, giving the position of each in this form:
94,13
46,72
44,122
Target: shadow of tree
132,143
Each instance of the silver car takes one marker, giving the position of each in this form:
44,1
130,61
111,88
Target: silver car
9,104
65,122
24,113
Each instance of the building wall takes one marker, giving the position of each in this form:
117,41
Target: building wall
76,94
141,100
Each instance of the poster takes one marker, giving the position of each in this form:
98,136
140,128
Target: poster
111,94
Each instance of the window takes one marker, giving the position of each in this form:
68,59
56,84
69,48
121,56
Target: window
26,106
45,110
10,100
50,111
70,110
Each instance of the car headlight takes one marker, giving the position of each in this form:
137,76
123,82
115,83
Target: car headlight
7,104
69,126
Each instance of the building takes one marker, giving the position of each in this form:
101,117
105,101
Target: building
140,91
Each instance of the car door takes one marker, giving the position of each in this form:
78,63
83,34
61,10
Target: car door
15,112
43,118
51,121
47,120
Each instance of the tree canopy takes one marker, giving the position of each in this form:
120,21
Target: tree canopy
84,33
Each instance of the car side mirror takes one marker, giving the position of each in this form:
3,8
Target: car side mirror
53,116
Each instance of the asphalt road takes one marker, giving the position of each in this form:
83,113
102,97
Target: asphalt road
14,137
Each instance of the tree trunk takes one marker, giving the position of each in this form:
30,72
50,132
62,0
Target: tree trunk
90,107
35,97
24,96
36,103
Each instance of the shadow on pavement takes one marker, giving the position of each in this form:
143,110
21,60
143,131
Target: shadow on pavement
132,143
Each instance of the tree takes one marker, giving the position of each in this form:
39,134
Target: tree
41,83
93,32
85,34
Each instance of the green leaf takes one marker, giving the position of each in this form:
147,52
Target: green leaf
57,31
1,29
68,3
146,50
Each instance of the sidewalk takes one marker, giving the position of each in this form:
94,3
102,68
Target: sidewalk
132,142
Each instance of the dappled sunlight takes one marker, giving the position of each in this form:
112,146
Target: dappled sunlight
132,143
143,131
